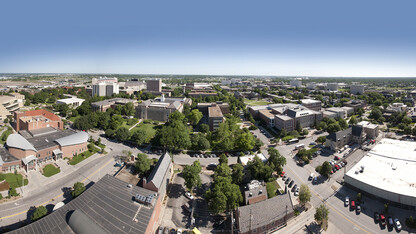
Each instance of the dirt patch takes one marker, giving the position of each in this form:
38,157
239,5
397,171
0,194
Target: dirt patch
127,175
4,186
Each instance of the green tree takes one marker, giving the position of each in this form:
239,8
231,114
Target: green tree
276,160
195,116
334,127
223,159
258,170
353,120
407,120
40,212
217,200
343,124
304,194
321,139
13,193
326,169
123,134
321,216
128,109
204,128
77,189
237,173
176,116
375,113
175,135
245,141
305,132
191,175
142,163
139,136
322,125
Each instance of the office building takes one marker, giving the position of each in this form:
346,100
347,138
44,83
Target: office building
104,86
73,101
154,85
160,108
215,117
102,106
357,89
332,86
9,104
312,104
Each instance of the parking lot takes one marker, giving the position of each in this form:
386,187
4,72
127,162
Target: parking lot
180,207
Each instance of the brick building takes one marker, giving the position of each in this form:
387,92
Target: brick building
36,119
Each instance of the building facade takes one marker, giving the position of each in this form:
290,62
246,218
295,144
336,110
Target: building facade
357,89
9,104
215,117
104,86
160,108
36,119
154,85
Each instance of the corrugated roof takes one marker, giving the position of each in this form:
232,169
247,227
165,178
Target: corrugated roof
74,139
17,141
109,203
159,171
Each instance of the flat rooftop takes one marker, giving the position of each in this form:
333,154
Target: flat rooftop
214,111
389,166
310,101
108,203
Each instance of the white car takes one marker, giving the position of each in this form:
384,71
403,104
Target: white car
347,201
297,191
189,195
398,225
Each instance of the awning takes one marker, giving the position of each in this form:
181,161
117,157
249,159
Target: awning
57,151
28,159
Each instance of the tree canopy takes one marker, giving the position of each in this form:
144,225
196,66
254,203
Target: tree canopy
142,163
77,189
191,175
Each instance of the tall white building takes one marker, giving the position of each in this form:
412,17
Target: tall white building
357,89
311,85
332,86
105,86
296,83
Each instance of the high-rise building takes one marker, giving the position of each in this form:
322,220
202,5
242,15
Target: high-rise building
104,86
154,85
357,89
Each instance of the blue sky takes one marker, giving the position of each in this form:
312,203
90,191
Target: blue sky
305,38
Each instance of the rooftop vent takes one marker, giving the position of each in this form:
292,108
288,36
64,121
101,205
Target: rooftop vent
261,191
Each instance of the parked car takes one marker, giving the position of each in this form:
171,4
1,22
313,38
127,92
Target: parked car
352,206
294,187
315,180
310,176
347,201
297,191
160,231
382,220
376,217
336,158
189,195
179,231
288,180
291,183
312,143
284,178
358,209
390,223
398,225
282,174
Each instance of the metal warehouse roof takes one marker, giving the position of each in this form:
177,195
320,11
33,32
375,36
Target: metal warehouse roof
17,141
74,139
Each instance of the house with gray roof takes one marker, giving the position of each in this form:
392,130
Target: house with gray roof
265,216
159,177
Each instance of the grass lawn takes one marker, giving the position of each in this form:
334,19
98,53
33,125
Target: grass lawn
80,157
256,102
150,129
50,170
272,188
14,180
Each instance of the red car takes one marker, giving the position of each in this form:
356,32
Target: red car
336,158
352,206
336,166
283,174
382,220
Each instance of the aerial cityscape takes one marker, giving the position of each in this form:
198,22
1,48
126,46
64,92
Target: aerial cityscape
220,117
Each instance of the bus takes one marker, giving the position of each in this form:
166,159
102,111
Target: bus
301,146
295,140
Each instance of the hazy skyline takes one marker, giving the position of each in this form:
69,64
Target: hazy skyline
296,38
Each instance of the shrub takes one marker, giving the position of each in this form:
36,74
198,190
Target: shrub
297,212
13,193
253,127
410,222
40,212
